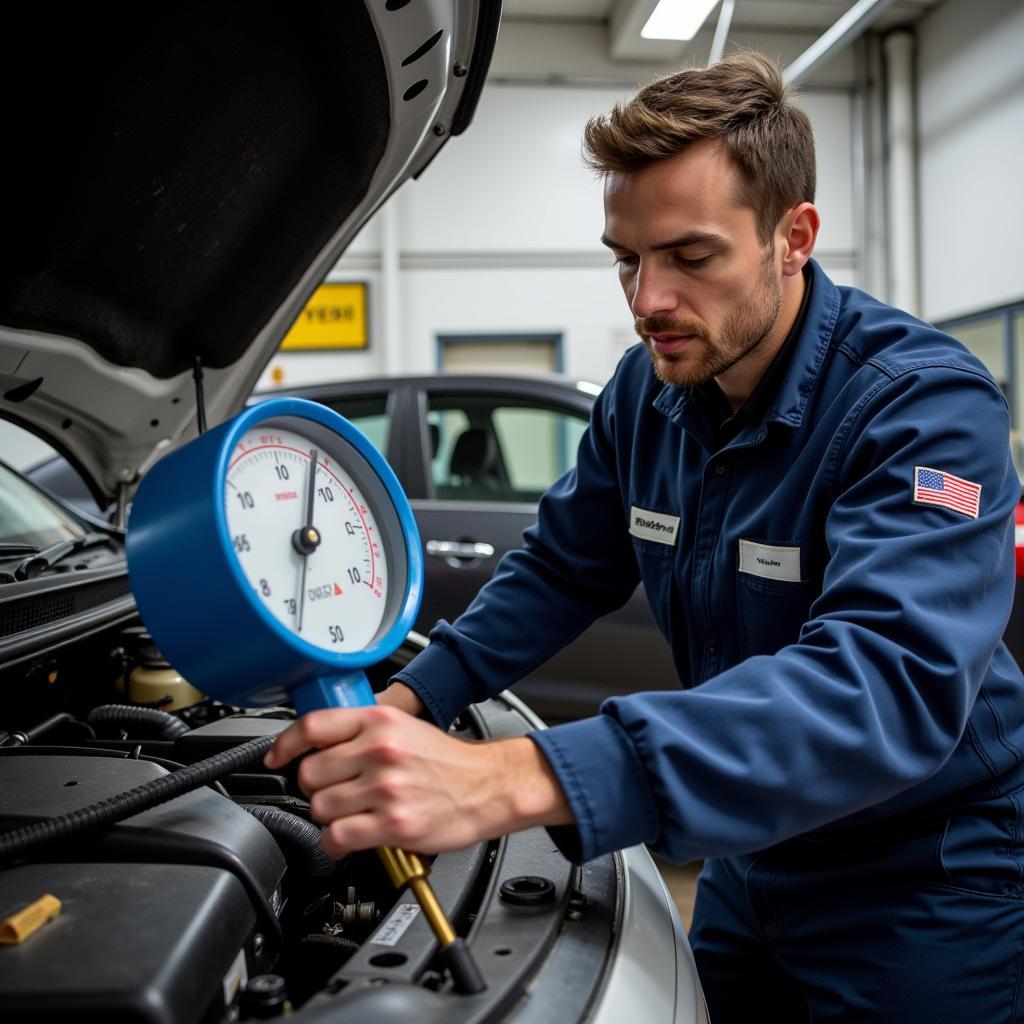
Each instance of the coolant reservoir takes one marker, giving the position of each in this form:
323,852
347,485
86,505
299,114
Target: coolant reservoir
149,685
151,679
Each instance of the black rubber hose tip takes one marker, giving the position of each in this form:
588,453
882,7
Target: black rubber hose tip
462,967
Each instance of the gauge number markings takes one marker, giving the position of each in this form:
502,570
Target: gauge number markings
357,529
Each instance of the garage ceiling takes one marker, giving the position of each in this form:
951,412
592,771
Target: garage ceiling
625,18
751,15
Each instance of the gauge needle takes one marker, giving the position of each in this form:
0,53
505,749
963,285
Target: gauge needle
306,539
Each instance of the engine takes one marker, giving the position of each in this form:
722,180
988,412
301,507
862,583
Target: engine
219,904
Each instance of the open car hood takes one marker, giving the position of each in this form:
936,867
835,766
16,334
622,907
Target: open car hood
178,179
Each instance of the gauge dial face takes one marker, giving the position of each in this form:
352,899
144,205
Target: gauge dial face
306,538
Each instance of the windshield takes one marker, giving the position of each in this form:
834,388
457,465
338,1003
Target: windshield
27,517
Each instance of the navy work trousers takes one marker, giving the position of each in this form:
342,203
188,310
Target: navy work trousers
911,923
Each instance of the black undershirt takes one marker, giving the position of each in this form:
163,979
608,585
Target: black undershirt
727,423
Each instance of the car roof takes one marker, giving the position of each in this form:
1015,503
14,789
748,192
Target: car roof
520,384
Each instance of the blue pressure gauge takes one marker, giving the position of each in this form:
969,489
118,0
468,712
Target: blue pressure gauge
276,555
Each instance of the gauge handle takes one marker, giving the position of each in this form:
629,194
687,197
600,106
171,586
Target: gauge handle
349,690
353,690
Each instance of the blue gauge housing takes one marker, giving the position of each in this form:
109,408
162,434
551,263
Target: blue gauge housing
194,597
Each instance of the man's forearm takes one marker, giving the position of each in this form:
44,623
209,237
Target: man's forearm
400,696
533,795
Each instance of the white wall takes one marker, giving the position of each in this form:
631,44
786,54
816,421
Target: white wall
574,51
971,155
501,234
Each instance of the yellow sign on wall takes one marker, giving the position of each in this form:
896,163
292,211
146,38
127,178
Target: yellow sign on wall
334,317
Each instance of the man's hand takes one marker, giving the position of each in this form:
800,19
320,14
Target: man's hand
377,776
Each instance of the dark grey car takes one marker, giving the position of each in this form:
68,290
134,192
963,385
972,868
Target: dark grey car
474,454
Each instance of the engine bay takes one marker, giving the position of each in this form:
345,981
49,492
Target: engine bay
219,904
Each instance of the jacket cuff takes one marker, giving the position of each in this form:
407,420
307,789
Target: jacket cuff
453,694
606,787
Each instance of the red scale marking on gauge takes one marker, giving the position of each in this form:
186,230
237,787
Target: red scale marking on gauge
262,447
361,512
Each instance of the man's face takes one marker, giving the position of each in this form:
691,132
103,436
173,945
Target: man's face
704,291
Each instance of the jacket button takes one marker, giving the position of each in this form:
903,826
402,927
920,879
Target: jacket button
719,468
712,647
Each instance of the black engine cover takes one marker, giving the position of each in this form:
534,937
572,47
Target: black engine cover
156,909
154,943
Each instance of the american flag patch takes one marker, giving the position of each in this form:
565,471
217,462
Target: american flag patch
934,487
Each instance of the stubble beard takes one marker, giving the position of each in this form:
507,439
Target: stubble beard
742,332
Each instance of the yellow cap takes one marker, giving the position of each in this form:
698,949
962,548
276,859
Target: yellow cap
18,927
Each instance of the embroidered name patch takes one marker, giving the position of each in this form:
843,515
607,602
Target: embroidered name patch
654,526
770,561
936,487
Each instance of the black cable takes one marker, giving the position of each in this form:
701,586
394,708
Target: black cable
61,718
197,376
30,735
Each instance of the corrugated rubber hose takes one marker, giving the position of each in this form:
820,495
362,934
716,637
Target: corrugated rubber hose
166,726
294,833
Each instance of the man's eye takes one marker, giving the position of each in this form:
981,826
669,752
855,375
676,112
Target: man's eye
624,261
691,263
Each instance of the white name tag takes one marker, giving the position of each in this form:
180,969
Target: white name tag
654,526
770,562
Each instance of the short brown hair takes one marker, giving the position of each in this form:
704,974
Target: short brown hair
741,100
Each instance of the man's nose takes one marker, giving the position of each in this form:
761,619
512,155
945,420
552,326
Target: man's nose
652,294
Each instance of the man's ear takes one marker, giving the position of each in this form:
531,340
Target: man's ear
795,236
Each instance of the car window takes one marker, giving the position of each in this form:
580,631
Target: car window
539,445
368,414
494,449
45,467
444,426
26,517
21,449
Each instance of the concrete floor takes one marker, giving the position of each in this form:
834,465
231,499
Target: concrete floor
682,884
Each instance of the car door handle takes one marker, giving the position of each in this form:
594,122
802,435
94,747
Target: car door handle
459,549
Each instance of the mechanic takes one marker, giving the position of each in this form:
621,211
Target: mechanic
817,494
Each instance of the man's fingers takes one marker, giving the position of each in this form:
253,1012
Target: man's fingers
363,830
354,795
315,730
346,835
326,768
341,801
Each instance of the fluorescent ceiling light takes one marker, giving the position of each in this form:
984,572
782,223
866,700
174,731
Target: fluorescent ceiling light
677,19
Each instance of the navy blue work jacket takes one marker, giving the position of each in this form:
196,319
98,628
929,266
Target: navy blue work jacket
836,626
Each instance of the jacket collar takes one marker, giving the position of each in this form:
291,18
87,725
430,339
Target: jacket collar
790,402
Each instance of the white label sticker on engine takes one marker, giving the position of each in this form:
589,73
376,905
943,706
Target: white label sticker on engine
395,926
236,977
